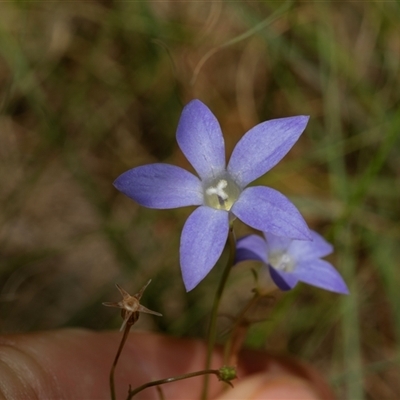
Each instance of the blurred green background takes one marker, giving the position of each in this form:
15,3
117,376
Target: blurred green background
90,89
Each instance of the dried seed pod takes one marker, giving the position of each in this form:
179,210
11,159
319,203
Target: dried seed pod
130,306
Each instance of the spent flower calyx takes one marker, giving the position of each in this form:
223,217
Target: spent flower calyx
130,305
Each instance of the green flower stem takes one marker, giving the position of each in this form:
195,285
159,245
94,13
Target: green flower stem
212,329
173,379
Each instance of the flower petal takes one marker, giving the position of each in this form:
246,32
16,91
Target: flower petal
161,186
263,146
322,274
268,210
202,242
284,280
251,247
277,243
303,250
200,138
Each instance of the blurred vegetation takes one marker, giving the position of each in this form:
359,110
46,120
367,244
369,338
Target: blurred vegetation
91,89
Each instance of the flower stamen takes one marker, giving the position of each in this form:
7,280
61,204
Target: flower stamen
219,191
282,262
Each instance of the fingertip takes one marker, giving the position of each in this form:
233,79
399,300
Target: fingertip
266,387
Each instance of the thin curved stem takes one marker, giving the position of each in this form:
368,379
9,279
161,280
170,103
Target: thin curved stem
228,348
212,329
121,346
205,372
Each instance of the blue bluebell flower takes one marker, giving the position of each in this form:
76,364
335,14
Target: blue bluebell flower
220,191
290,261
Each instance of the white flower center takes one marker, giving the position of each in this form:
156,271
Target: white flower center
221,193
219,189
282,261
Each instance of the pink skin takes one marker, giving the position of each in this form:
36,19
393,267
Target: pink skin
75,364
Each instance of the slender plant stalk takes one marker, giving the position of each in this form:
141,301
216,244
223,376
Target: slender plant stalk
173,379
228,348
160,393
121,346
212,329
